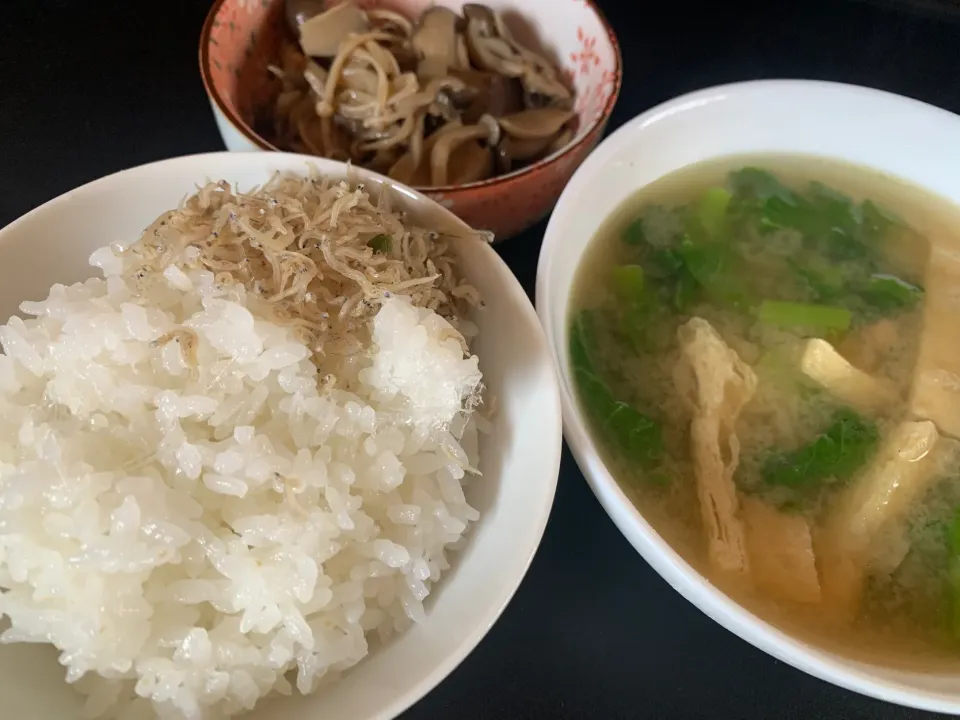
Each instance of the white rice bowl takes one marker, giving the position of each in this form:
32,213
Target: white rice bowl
240,531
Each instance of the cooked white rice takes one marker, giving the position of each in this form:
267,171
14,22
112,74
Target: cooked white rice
196,520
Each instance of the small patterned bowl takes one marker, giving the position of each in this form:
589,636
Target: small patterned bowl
241,36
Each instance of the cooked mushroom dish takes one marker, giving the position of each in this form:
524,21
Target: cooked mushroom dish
446,99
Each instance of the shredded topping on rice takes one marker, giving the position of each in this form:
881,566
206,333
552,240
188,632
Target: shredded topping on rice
321,255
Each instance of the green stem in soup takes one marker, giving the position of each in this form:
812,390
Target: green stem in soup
842,449
888,293
953,580
637,435
629,284
718,269
637,306
712,211
820,318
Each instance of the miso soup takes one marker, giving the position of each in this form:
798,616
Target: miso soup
765,350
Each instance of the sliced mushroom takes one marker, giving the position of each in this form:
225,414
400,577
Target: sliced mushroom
287,101
293,63
470,162
303,108
444,147
536,124
298,12
386,20
311,134
383,57
321,136
493,48
407,59
415,146
435,40
444,106
563,138
492,127
321,35
441,156
361,55
406,83
359,78
487,50
414,171
382,160
511,151
391,138
334,141
492,94
408,104
351,123
543,92
463,54
540,76
431,68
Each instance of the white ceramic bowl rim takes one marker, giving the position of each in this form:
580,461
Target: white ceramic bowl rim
869,105
504,557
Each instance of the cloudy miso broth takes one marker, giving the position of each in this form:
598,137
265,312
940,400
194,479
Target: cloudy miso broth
751,341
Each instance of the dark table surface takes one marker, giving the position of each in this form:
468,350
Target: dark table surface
89,87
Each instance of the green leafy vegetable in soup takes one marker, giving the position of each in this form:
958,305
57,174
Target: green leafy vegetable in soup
841,450
745,333
634,434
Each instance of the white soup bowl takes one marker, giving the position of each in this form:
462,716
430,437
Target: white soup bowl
903,138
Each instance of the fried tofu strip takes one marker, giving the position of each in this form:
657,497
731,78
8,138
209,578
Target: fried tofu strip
716,384
935,394
782,560
910,458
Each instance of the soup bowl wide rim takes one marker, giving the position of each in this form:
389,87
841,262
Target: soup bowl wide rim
825,106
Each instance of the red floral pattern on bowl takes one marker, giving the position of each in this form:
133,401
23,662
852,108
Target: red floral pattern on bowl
241,36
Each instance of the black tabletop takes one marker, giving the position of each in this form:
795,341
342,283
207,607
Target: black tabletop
88,87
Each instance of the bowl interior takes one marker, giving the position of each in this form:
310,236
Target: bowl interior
519,460
900,137
243,36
